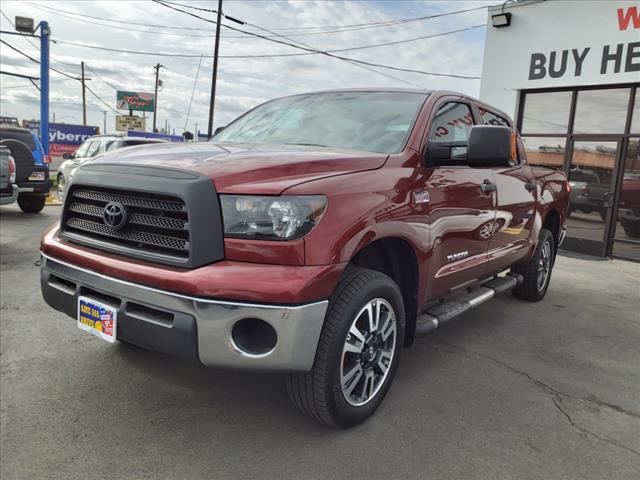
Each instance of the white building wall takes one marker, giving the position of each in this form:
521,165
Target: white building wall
518,56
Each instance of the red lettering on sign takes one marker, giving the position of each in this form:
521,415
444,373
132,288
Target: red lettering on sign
624,17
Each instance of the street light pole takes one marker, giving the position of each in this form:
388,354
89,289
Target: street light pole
45,33
212,100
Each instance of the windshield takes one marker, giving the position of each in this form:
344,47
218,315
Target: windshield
368,121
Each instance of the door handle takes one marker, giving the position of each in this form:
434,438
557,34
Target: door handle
488,186
530,185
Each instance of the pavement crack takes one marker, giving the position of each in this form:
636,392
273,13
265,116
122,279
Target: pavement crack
557,402
556,395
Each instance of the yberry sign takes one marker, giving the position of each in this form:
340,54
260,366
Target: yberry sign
558,43
64,138
139,101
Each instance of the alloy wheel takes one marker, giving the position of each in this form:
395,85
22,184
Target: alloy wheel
544,265
368,352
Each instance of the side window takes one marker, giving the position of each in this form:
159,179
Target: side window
490,118
93,148
452,123
81,152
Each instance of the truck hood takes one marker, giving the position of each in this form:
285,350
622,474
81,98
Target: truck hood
250,169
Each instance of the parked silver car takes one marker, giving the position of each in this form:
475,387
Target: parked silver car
8,187
92,147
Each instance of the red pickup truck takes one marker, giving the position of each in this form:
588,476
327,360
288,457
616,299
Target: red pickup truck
317,234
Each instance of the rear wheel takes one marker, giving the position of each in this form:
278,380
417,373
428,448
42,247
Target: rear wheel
537,273
357,354
632,229
31,203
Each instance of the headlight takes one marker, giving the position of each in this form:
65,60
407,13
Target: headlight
271,218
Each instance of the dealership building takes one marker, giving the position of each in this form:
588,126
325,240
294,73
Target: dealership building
569,74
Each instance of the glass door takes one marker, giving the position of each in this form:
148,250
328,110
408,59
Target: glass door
592,175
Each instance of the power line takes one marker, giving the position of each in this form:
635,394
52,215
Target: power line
319,30
99,76
334,28
290,44
268,55
59,72
308,49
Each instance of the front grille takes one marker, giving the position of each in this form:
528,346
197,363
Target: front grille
157,224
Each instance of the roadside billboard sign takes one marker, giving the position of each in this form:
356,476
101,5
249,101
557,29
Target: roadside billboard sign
63,137
164,136
139,101
127,122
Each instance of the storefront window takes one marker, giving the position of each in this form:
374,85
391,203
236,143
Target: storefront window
545,151
627,234
601,111
635,121
546,112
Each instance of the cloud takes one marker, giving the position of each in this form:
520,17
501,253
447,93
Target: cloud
242,83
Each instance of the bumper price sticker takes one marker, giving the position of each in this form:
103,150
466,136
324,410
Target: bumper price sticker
97,318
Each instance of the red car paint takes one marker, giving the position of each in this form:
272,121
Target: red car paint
370,197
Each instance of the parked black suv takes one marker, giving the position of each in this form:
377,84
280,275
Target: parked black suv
32,167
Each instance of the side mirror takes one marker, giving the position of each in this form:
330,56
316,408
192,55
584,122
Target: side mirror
66,155
218,130
490,146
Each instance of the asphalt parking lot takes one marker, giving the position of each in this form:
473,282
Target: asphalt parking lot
511,390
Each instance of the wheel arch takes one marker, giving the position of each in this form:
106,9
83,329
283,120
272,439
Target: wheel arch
551,222
395,257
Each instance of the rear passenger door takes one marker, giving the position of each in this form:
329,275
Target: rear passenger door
516,198
459,211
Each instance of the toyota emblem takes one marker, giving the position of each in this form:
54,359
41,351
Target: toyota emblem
114,215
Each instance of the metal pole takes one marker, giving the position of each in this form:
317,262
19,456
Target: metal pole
104,112
84,98
215,71
45,33
155,96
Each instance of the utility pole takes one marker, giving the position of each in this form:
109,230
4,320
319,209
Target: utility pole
212,100
195,133
104,112
155,96
84,97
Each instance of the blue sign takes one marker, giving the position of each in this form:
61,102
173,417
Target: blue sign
65,134
163,136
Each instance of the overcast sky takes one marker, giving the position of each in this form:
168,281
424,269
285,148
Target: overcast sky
242,83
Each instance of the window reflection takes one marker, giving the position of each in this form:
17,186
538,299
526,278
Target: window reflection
635,120
591,179
602,111
546,112
627,233
545,151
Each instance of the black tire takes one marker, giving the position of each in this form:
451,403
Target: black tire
22,156
319,392
31,203
533,288
632,229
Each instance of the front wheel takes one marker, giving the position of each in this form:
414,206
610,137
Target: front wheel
537,273
357,354
31,203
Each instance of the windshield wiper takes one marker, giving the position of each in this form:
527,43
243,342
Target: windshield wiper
308,144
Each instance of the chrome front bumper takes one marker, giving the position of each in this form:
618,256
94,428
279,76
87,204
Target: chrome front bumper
185,326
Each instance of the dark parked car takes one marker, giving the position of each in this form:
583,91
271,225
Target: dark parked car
32,167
